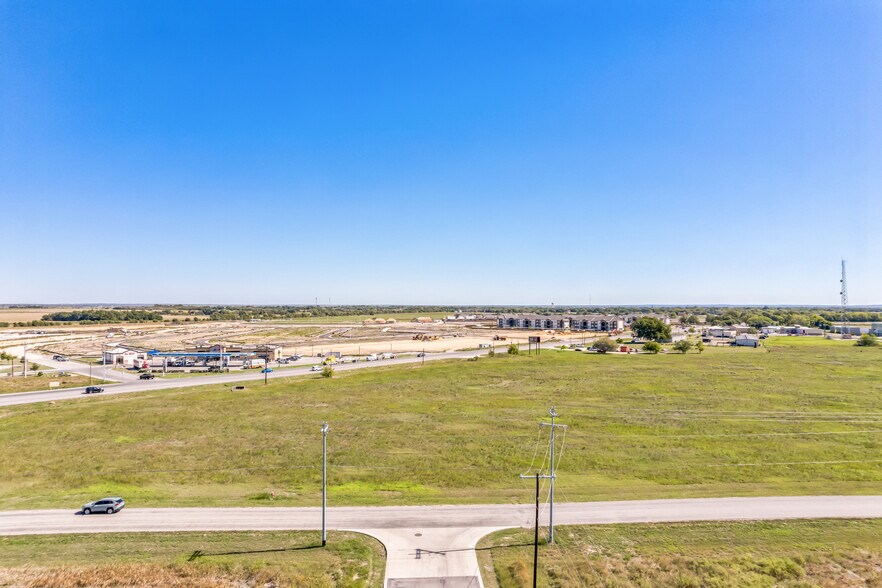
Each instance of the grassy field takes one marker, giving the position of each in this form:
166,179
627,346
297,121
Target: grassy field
192,560
795,554
34,382
803,416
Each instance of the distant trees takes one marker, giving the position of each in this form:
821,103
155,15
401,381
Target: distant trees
649,327
867,340
604,345
105,316
651,347
683,345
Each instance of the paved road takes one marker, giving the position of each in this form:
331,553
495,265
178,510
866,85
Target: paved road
133,384
427,544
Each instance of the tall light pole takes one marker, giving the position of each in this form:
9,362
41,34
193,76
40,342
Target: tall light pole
325,429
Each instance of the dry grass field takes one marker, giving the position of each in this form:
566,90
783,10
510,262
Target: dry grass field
192,560
784,554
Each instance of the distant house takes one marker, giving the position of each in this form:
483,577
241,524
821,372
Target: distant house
747,340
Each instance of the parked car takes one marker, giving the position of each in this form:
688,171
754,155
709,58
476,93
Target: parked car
295,357
146,377
266,370
93,390
107,505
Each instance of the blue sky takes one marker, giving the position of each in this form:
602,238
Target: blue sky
440,152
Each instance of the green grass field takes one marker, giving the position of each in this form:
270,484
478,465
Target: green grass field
9,385
794,554
804,416
192,560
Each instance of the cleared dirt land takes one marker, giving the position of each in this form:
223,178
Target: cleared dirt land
804,416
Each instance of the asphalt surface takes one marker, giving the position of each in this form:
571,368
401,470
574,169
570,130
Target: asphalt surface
133,384
434,545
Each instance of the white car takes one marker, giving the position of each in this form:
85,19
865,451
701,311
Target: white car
315,368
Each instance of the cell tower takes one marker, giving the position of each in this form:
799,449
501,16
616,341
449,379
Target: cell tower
843,294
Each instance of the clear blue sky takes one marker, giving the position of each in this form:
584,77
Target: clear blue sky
440,152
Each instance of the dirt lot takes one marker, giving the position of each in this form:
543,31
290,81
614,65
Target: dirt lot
361,337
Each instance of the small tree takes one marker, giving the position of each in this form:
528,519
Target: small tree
699,346
867,340
651,347
683,345
513,349
604,345
491,353
10,358
327,372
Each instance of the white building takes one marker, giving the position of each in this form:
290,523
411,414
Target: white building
124,357
747,340
721,332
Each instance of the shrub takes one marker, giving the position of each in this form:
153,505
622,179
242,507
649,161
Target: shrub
513,349
683,345
867,340
699,346
491,353
327,372
651,347
603,345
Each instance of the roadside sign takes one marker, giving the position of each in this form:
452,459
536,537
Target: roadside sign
54,384
534,340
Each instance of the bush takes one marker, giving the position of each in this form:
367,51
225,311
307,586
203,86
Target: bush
683,345
651,347
867,340
604,345
491,353
699,346
513,349
327,372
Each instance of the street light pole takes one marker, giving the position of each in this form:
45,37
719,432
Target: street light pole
325,430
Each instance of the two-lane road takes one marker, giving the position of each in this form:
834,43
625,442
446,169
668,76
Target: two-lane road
434,545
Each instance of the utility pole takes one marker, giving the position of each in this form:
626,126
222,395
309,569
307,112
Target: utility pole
325,430
536,529
552,476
